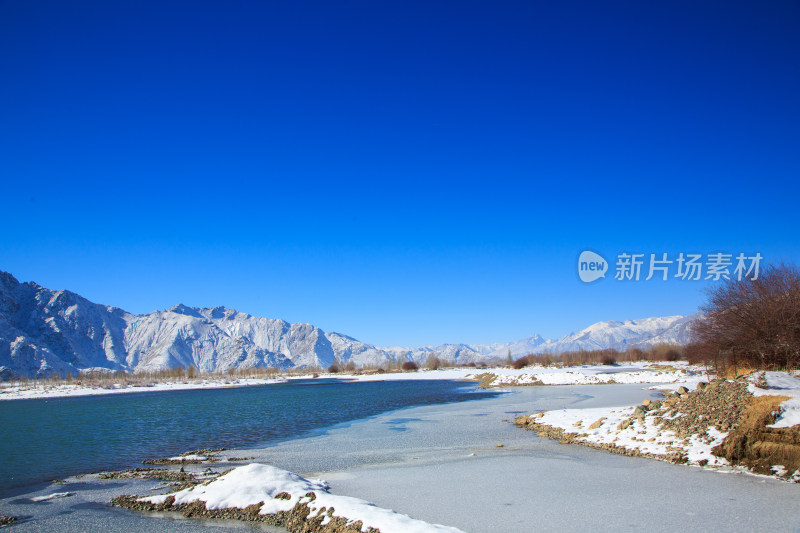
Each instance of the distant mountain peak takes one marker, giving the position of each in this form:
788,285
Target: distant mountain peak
8,279
181,309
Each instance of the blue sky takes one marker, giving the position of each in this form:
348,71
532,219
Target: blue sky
402,172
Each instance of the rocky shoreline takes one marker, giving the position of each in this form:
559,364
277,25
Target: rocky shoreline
297,520
721,417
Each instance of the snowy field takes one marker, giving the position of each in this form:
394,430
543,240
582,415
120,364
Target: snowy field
638,372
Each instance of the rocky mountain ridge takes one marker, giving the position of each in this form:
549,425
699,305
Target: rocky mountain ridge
45,332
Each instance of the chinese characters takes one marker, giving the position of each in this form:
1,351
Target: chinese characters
687,266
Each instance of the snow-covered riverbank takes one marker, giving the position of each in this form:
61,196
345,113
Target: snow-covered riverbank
694,426
638,372
27,391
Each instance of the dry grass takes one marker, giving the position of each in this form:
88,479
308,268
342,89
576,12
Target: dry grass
758,447
664,368
736,371
486,379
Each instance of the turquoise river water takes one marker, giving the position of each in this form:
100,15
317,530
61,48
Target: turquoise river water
46,439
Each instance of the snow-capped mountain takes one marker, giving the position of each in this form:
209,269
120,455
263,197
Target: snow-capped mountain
641,333
623,335
45,332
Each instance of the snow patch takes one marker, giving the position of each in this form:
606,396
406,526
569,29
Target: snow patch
779,384
256,483
53,496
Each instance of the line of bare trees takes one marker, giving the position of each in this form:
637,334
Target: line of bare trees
660,352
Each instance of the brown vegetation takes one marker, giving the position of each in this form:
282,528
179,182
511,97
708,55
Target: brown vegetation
750,324
660,352
410,366
433,362
754,445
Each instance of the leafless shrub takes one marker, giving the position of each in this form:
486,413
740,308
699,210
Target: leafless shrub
522,362
609,360
751,323
410,366
433,362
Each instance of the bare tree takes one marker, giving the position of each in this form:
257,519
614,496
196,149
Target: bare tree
433,362
410,366
753,323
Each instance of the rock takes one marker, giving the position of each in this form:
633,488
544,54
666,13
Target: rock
499,445
646,403
597,423
683,391
639,412
702,385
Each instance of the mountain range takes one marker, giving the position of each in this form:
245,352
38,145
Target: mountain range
45,332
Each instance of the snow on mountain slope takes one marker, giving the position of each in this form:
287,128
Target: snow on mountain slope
623,335
44,332
677,333
183,337
462,353
349,349
601,335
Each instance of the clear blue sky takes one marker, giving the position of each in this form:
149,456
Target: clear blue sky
403,172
